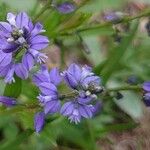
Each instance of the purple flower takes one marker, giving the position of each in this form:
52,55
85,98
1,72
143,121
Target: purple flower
75,111
146,86
47,83
80,108
146,99
43,75
66,7
20,45
82,101
7,101
39,120
82,79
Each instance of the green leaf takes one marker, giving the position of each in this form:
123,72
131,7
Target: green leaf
131,104
92,42
14,89
13,145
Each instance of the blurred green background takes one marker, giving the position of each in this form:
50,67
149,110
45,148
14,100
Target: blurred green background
121,124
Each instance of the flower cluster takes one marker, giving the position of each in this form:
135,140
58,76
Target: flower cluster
20,45
80,103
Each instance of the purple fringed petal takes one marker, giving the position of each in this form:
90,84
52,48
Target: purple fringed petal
75,116
39,42
5,58
52,106
85,111
22,20
39,120
55,77
21,71
28,61
48,88
67,108
146,86
7,101
66,7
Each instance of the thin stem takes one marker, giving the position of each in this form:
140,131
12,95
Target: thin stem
73,94
125,88
107,24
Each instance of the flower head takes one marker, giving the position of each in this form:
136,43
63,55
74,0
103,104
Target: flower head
20,45
81,102
82,79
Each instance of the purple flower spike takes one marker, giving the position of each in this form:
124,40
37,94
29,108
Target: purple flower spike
146,86
66,8
39,120
20,43
7,101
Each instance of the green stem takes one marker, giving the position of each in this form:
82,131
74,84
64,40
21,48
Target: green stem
107,24
70,95
125,88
